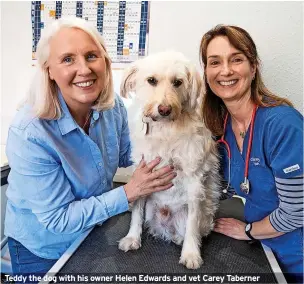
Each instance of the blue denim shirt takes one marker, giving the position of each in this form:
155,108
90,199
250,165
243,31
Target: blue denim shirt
60,183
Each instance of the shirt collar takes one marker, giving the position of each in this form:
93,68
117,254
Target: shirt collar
66,122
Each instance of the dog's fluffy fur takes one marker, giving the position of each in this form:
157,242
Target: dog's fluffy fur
184,213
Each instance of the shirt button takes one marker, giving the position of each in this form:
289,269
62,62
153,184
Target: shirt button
95,115
100,164
104,182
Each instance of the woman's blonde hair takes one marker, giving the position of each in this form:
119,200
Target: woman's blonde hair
213,108
43,92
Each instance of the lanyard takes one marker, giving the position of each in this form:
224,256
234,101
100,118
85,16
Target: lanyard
245,184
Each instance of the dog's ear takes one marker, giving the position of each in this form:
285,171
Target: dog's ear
128,82
195,86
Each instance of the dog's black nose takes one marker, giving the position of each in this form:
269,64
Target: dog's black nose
164,110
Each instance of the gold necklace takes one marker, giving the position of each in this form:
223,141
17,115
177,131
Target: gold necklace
87,120
243,133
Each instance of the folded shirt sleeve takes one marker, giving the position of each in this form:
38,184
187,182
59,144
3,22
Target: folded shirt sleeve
284,138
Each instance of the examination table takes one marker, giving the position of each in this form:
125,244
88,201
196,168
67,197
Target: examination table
96,253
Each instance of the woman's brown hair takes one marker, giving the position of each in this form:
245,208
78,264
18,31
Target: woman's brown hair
213,108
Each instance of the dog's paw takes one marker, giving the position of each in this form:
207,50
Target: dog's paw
191,260
129,243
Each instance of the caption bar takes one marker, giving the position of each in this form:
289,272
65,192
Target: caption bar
140,278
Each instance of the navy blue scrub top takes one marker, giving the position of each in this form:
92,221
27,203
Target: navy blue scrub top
277,152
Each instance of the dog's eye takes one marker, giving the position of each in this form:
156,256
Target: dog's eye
152,81
176,83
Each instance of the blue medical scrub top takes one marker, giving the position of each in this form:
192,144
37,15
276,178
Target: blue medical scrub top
276,146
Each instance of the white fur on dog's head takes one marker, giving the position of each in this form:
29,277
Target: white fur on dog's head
152,79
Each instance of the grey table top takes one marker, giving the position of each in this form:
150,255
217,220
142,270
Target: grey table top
98,254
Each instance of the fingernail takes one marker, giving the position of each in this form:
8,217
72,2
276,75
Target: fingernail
158,158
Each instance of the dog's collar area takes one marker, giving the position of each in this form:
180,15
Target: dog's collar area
146,121
147,128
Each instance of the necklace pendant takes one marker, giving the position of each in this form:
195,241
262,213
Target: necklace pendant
242,134
87,120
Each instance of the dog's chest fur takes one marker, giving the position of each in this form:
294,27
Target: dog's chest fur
167,142
176,148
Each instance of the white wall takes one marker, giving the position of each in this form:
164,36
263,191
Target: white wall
276,27
16,52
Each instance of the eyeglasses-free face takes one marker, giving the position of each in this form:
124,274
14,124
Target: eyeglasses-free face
228,71
78,67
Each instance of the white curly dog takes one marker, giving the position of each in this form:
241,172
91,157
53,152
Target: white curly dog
164,121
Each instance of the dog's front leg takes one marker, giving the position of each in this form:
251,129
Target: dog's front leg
132,240
191,255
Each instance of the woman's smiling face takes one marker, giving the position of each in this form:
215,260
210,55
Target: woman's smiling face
77,65
228,71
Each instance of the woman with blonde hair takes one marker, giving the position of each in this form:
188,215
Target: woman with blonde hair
64,147
261,146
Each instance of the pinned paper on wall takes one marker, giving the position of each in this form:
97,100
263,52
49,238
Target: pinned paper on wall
123,24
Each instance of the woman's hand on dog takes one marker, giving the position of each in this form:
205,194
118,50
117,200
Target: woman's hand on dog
231,227
145,181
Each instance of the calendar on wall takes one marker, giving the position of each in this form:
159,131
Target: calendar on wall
123,24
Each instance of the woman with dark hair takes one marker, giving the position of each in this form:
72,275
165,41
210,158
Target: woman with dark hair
261,146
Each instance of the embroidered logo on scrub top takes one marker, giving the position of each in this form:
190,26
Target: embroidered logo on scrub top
291,169
255,161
